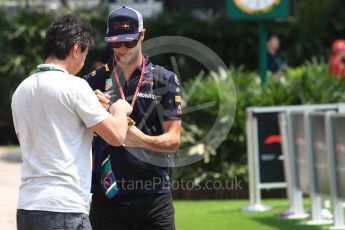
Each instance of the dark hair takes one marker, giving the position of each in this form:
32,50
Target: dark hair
272,35
64,33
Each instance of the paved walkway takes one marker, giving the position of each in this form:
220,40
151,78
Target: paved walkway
10,163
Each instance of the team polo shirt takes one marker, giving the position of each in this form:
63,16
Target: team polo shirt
131,166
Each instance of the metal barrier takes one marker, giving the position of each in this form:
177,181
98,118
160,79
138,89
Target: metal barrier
296,209
295,123
317,166
260,160
310,153
266,154
290,158
335,133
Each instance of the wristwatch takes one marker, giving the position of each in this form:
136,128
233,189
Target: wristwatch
257,6
130,122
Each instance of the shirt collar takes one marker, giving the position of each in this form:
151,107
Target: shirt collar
148,65
51,67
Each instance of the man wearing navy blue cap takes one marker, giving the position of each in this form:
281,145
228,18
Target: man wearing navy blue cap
130,191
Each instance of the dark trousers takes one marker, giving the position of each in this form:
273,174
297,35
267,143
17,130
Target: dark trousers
133,212
44,220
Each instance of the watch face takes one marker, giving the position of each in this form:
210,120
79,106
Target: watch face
256,6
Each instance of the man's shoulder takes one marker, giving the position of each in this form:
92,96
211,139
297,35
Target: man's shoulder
77,82
25,84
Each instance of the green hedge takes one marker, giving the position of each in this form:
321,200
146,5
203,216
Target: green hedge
22,36
235,42
310,83
303,36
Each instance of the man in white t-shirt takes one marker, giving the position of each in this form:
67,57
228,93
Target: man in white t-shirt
55,115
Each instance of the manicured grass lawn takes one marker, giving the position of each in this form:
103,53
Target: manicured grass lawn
225,215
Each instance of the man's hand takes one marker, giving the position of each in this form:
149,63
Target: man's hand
121,106
103,98
166,142
114,129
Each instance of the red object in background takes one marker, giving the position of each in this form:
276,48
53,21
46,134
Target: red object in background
336,66
273,139
338,46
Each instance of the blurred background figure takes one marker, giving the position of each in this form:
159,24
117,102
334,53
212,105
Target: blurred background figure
336,65
102,57
275,62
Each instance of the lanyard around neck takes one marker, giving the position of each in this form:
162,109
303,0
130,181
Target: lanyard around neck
47,68
138,86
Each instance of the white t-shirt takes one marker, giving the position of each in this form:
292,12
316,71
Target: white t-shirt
52,112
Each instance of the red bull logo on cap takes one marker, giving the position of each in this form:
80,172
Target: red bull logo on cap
121,26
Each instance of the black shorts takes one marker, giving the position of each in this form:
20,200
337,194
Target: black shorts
132,212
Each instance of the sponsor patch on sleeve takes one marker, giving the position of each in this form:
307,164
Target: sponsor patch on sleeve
106,67
108,84
176,80
178,98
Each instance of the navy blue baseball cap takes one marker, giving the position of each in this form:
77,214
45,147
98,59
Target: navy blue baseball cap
124,24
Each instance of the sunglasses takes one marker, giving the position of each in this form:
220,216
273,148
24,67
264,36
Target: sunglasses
129,44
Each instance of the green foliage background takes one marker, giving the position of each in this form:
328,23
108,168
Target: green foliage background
308,34
310,83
